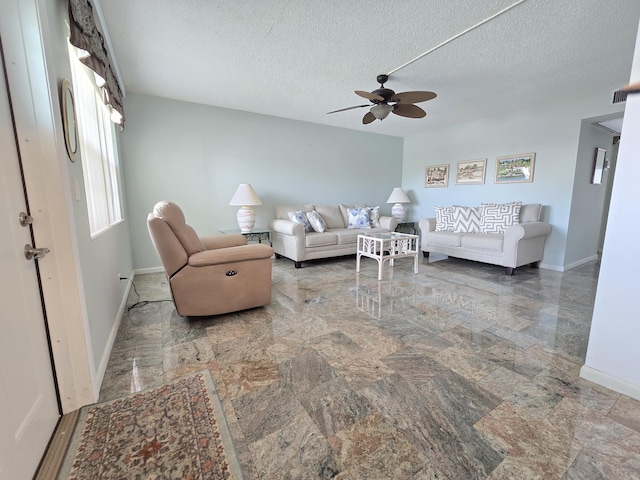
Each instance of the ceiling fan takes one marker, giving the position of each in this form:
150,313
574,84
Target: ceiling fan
386,101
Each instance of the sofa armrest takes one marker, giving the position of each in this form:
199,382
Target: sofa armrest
388,222
515,233
427,224
231,254
286,227
223,241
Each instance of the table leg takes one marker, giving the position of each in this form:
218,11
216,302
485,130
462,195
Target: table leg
358,262
380,266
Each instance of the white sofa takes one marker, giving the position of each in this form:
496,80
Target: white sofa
290,240
521,243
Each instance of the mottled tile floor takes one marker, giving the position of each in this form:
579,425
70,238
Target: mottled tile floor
458,372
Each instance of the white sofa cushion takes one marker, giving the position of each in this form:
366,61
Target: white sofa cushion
320,239
496,218
448,239
483,241
332,215
282,211
346,236
531,212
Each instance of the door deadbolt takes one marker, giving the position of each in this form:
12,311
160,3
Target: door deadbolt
30,252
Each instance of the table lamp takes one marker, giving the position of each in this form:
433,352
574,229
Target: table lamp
245,196
398,197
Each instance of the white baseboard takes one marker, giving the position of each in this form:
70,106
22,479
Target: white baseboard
560,268
548,266
142,271
614,383
104,361
581,262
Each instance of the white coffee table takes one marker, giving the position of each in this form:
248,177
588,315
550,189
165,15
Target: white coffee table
387,246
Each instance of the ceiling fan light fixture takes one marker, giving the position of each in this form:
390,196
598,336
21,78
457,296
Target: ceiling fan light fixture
381,110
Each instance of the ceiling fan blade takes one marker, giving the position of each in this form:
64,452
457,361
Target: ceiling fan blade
413,97
368,118
411,111
349,108
369,95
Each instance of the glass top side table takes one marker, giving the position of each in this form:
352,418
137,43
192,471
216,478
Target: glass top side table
258,234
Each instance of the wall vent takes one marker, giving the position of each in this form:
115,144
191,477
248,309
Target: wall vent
618,96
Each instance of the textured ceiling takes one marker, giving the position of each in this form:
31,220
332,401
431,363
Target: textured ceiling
301,59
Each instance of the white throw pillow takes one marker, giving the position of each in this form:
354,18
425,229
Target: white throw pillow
316,221
496,218
301,217
444,219
374,216
467,219
359,218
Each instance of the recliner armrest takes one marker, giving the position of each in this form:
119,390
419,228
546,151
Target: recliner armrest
224,241
230,254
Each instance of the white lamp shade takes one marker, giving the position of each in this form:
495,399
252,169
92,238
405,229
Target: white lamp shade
245,195
398,196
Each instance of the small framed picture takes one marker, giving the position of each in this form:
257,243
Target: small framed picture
436,176
471,172
515,168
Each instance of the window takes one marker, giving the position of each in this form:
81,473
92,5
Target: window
98,149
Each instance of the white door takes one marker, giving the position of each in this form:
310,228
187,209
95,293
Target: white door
28,401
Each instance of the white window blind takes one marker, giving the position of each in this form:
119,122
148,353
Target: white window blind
97,142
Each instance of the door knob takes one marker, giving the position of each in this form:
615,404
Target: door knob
30,252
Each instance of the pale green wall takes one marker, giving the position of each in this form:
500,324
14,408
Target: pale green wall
552,131
196,155
104,257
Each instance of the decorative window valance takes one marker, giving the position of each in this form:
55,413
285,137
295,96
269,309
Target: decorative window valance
86,36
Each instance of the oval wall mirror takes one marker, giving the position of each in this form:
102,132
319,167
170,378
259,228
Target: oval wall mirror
69,120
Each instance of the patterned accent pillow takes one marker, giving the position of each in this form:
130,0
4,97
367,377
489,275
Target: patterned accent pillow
496,218
467,219
359,218
316,221
444,219
374,216
301,217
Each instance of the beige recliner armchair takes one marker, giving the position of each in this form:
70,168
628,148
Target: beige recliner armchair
209,275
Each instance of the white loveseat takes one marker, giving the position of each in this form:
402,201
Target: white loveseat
478,233
290,240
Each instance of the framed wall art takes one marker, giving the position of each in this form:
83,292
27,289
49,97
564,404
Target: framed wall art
436,176
515,168
471,172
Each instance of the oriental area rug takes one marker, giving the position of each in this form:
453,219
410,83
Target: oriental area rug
175,431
